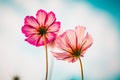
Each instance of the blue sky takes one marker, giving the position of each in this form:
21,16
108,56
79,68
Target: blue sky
101,18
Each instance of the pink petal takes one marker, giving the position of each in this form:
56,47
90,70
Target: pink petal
80,35
61,42
40,42
70,59
28,30
50,19
50,37
54,27
74,59
63,56
31,21
41,17
87,42
82,54
33,39
71,39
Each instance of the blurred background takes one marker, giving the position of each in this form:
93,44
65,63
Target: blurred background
20,59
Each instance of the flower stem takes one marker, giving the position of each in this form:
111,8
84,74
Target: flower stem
81,67
46,78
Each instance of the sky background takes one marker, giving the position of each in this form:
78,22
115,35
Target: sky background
100,17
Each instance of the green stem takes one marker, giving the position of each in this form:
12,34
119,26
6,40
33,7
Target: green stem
46,78
81,67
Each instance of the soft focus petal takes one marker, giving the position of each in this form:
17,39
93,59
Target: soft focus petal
33,39
87,42
82,54
74,59
80,31
63,56
31,21
54,27
61,43
52,44
28,30
50,19
41,17
71,39
69,59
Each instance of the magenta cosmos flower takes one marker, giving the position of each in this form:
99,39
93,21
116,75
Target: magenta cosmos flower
73,44
44,25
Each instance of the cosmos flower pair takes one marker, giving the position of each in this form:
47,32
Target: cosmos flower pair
44,29
74,43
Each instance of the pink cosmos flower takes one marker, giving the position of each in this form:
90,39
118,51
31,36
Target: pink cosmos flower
44,25
73,44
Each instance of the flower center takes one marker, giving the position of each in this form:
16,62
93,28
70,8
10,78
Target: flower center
42,31
76,53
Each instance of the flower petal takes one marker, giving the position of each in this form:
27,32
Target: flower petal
50,19
33,39
71,39
41,17
63,56
80,35
31,21
40,42
61,42
87,41
50,37
74,59
54,27
28,30
70,59
82,54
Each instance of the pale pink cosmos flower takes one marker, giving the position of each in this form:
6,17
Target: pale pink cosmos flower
73,44
44,25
